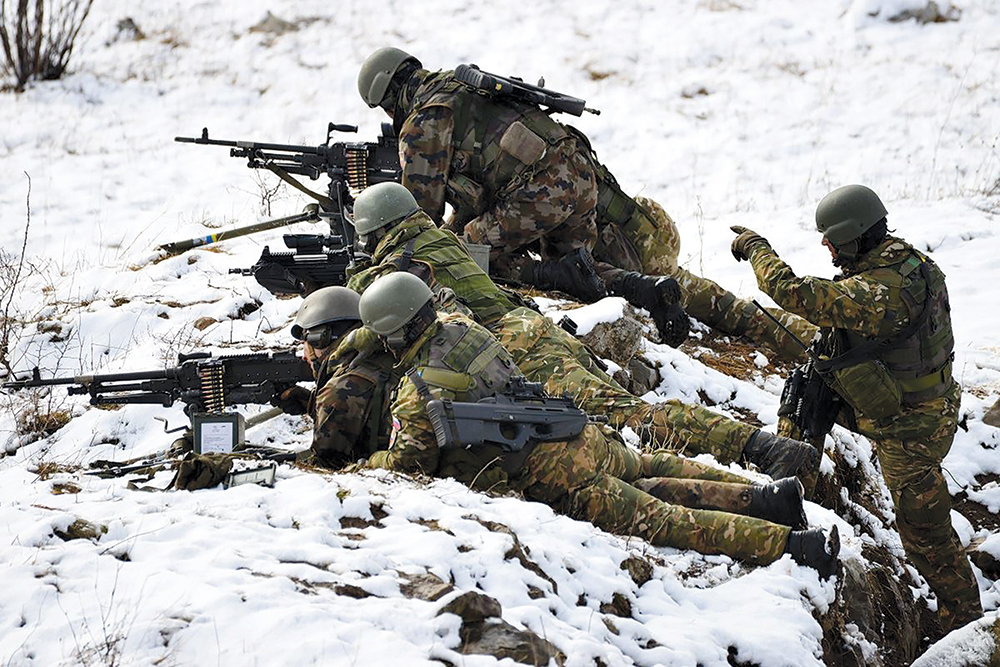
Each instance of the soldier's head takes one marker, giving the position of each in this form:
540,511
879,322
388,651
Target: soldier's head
378,209
326,316
398,308
382,76
852,220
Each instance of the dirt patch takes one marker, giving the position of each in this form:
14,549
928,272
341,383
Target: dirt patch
733,356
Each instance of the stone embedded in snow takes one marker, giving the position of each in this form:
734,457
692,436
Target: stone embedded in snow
618,341
992,416
929,13
274,25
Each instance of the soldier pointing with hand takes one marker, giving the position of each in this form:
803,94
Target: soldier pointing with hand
886,333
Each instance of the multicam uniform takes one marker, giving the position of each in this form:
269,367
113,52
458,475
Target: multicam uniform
545,352
587,477
883,291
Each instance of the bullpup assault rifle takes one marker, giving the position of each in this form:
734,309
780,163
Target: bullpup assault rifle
502,86
206,384
512,420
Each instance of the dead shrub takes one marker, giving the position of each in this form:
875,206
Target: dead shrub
37,37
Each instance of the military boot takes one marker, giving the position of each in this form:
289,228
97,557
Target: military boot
660,296
815,549
780,502
574,274
780,457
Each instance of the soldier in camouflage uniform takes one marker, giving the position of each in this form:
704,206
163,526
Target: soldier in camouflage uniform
515,178
886,315
400,236
354,374
450,357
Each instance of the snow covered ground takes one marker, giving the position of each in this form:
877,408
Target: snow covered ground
725,112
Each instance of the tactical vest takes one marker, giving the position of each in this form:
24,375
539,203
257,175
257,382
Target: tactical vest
452,267
921,362
491,148
463,362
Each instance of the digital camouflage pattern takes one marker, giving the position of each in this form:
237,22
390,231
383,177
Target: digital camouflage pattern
546,353
910,445
586,478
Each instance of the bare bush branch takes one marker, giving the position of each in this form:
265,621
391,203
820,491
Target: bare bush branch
37,44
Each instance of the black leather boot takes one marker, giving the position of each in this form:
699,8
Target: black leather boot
780,457
574,274
780,502
813,548
660,296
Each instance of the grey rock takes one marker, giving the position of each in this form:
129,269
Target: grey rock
992,416
618,340
929,13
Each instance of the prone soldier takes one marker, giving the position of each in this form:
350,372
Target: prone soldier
401,237
450,360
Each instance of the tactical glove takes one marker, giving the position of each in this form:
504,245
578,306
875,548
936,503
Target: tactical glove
743,242
295,400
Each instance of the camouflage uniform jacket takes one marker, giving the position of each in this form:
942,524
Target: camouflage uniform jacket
449,141
438,256
350,414
456,359
866,303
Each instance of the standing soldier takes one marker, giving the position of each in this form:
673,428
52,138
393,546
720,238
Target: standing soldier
886,331
449,359
515,178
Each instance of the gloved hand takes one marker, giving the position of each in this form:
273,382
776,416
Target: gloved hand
475,231
742,243
673,324
294,400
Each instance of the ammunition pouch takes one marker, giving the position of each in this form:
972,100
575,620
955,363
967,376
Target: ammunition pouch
868,388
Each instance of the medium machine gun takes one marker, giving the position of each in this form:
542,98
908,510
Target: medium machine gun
501,86
206,384
523,414
314,261
350,166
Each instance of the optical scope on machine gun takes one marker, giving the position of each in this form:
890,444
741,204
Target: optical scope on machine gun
206,385
315,261
494,84
351,167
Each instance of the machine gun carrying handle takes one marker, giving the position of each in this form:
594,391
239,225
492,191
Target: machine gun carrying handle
188,356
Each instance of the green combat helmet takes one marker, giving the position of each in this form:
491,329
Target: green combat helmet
377,72
379,206
392,301
322,307
845,214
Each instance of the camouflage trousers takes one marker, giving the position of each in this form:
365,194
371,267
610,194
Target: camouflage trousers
547,354
650,243
910,447
589,478
554,203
